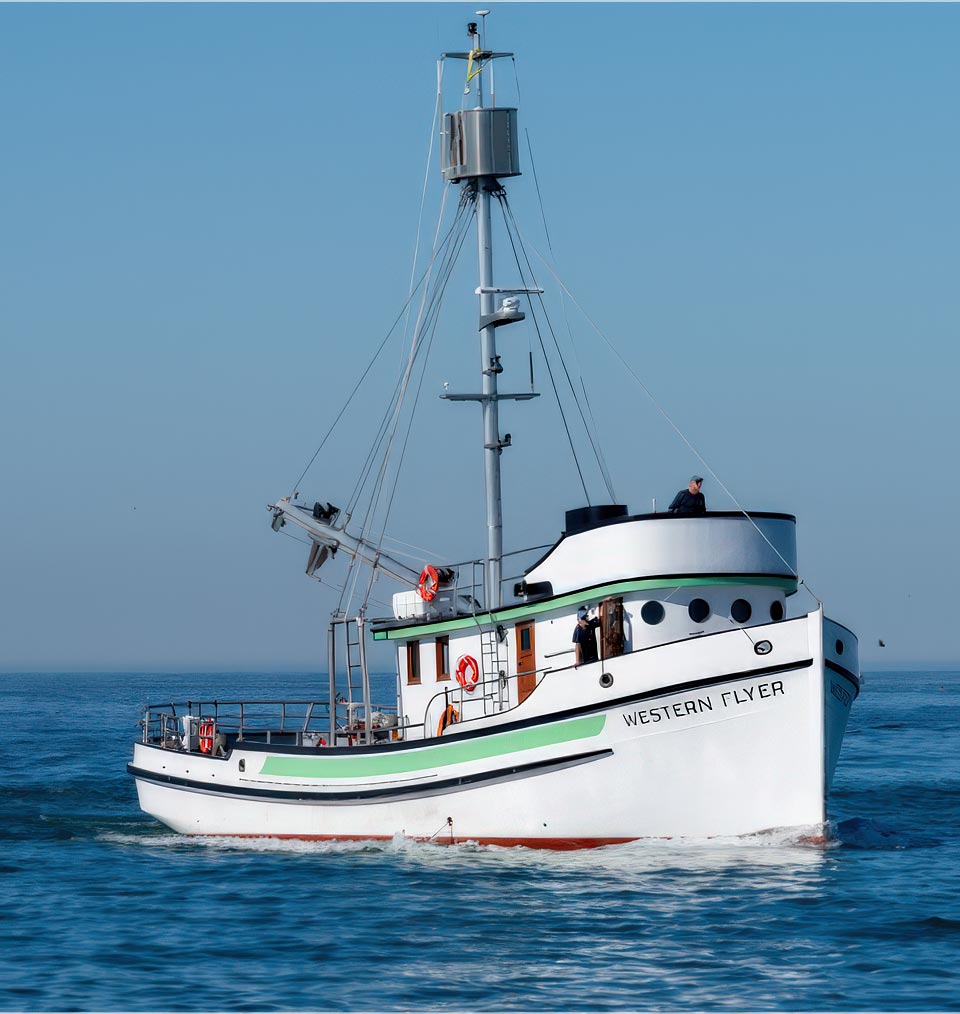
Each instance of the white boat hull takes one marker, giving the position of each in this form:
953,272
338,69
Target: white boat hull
701,738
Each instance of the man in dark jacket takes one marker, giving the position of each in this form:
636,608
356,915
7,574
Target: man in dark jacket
585,638
690,500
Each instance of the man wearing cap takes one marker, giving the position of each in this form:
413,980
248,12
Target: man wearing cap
690,500
585,638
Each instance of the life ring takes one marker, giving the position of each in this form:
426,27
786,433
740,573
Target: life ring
206,737
468,672
429,583
449,717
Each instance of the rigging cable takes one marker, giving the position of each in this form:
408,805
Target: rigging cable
667,417
416,399
363,375
426,325
594,440
598,450
553,383
591,436
423,192
391,401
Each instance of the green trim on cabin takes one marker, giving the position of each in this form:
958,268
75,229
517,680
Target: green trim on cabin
439,755
415,631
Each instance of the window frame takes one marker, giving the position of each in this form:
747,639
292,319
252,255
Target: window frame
413,663
442,644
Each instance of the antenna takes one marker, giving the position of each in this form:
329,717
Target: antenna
480,42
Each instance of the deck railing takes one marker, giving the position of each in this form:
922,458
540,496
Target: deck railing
298,723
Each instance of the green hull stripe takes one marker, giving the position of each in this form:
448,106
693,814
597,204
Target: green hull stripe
788,584
430,758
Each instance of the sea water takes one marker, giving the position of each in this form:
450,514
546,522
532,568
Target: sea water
101,908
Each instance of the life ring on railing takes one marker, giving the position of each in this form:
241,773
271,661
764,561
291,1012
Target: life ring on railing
468,672
206,737
429,583
449,717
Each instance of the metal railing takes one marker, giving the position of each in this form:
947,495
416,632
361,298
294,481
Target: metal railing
296,723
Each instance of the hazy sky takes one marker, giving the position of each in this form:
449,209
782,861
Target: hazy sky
207,217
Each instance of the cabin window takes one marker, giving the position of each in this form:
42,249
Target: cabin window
525,638
776,610
839,647
699,610
443,658
652,613
413,661
741,610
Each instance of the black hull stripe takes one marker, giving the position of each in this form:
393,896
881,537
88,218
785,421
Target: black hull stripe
372,795
527,723
845,673
587,709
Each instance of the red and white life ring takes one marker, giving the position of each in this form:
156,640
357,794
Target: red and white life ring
206,737
468,672
429,583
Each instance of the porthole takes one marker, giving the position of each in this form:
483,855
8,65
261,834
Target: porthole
776,610
839,647
652,613
699,610
741,611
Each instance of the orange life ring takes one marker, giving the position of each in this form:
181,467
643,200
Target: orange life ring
468,672
429,583
449,717
206,737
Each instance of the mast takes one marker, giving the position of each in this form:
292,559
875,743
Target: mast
489,366
481,147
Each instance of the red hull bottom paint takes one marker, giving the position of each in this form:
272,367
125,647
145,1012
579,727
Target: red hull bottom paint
555,844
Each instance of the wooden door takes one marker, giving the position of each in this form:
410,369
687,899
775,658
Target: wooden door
526,661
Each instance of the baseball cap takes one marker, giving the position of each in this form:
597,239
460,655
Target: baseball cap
696,478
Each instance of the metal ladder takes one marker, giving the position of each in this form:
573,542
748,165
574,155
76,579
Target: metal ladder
358,678
494,669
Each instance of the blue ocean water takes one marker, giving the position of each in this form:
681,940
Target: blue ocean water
103,909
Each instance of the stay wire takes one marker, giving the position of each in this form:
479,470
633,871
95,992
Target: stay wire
604,471
669,420
393,407
546,359
423,325
363,375
429,328
391,401
591,436
423,192
426,322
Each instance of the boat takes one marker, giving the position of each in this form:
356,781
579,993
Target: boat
713,701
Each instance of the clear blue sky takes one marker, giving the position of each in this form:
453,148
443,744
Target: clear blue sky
207,214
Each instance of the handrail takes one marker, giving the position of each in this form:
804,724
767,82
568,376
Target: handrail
543,670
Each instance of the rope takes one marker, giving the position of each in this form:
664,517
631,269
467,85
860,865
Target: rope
424,329
592,437
546,359
666,416
598,448
423,192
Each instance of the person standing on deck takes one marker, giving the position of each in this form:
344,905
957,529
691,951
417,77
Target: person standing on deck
585,638
690,500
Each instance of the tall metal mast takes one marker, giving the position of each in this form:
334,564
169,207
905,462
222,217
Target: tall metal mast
480,147
490,368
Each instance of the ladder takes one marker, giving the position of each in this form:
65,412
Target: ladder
494,670
350,640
